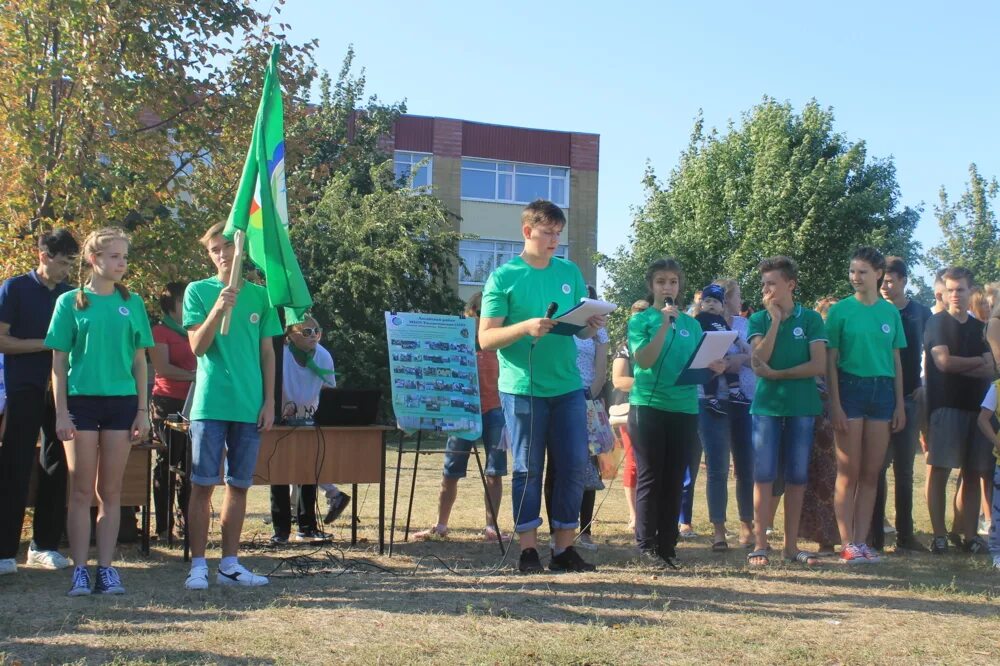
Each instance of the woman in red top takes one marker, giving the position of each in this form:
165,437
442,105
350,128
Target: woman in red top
174,366
456,458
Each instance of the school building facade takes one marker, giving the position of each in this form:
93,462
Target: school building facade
485,174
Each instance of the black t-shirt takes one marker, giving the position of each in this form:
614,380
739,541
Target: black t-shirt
947,389
914,316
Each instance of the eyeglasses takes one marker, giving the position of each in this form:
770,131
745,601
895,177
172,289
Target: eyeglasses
309,332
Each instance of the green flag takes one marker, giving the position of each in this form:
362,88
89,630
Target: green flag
262,212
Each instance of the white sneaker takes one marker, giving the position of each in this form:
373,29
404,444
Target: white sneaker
46,559
584,541
197,579
996,562
240,575
8,565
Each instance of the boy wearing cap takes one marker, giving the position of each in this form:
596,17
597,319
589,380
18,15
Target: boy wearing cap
710,317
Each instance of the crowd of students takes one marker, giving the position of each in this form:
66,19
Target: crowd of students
76,370
810,405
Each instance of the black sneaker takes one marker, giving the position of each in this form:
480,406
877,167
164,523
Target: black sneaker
570,560
529,562
312,536
738,397
939,546
337,508
975,546
279,540
650,559
714,405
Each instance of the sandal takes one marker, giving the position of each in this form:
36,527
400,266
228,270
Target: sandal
804,558
720,547
760,555
431,533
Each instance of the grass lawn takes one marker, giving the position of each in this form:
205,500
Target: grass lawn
411,609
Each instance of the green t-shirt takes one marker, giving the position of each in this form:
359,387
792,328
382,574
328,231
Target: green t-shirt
228,384
788,397
866,336
516,291
101,341
655,386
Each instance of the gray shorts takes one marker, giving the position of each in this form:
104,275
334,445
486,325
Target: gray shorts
954,441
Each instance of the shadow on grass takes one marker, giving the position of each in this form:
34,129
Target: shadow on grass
416,582
36,651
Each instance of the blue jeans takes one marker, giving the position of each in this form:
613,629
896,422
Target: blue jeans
720,436
457,450
558,424
788,438
209,438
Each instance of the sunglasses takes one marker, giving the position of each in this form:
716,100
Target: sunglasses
309,332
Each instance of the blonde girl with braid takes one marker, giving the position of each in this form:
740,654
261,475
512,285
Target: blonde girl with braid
98,334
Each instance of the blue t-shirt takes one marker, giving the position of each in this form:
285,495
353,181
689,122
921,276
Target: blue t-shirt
27,305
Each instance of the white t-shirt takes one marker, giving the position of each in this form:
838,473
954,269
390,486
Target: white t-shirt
990,401
301,386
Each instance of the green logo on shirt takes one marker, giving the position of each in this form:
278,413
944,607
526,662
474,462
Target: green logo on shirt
254,318
798,333
123,311
566,288
885,328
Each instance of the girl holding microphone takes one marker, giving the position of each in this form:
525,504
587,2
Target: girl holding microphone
664,414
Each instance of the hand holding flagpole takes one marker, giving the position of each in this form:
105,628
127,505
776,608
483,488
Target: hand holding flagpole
235,277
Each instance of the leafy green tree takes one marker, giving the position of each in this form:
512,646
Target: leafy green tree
122,113
969,227
780,182
366,243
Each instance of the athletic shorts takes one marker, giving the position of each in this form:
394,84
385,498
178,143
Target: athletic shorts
103,412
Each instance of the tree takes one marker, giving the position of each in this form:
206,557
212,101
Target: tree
969,227
781,182
114,112
366,243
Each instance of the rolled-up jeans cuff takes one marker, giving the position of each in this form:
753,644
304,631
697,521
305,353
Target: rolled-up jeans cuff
530,525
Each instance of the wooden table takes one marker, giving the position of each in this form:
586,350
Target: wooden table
137,482
321,454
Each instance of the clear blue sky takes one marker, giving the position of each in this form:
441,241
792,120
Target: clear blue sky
915,80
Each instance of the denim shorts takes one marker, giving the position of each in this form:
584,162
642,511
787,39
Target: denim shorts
787,439
209,438
457,451
872,398
103,412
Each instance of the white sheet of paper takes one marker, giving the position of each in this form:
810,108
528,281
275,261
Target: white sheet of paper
714,346
587,309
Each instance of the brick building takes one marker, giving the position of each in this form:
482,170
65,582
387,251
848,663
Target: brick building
487,173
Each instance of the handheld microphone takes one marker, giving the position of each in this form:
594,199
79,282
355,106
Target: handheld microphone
551,310
670,301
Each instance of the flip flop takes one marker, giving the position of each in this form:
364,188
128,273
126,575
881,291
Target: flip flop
759,554
720,547
804,558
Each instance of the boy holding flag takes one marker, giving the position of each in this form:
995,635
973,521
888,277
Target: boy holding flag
230,325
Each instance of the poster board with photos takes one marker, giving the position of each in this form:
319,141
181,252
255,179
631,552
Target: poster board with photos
434,375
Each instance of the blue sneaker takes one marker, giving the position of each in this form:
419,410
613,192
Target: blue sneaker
81,583
108,581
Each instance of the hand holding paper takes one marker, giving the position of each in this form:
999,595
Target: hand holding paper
579,316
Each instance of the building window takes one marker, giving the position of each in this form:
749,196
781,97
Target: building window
419,166
480,257
512,182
